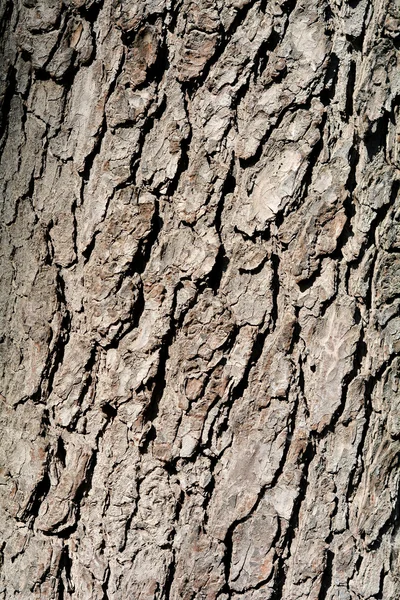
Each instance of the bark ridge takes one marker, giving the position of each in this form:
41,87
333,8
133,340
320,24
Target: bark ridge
200,300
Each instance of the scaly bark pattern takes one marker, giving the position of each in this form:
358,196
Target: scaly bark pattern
200,299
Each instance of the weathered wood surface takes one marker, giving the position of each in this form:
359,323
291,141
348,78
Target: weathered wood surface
200,300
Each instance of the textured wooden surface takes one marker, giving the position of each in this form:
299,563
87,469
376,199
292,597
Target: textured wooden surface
200,300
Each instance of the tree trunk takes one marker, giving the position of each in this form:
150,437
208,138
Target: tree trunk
200,300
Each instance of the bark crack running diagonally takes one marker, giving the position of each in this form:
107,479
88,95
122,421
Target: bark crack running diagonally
200,294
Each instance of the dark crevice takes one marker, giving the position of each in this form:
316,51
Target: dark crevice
64,572
288,6
41,73
45,423
81,493
370,240
209,489
6,103
174,14
394,518
219,268
68,77
183,162
328,14
290,427
258,269
306,284
272,43
228,188
169,578
229,536
128,36
55,360
60,588
146,129
369,385
358,359
330,82
301,384
396,42
158,382
157,70
104,585
41,490
87,381
312,163
146,245
240,93
296,332
263,582
83,488
90,11
379,595
354,158
61,453
109,410
251,161
2,546
265,49
221,261
281,565
350,91
263,235
275,261
90,158
75,232
6,19
348,205
326,580
87,252
356,42
258,346
202,286
375,138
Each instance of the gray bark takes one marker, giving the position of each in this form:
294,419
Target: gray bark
200,300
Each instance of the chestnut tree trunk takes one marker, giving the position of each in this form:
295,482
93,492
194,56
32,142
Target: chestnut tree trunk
200,292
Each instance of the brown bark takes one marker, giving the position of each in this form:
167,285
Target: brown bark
200,294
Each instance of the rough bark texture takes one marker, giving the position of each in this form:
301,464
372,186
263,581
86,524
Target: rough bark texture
200,300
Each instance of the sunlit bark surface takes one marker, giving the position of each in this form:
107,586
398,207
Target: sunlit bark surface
200,300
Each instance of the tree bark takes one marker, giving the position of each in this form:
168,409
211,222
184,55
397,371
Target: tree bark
200,300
